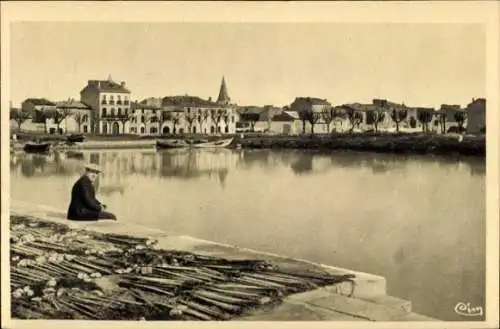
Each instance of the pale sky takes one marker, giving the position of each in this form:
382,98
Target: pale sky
263,63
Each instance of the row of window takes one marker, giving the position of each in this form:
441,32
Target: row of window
111,97
112,112
112,102
166,130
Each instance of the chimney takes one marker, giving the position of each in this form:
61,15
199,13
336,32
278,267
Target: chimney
122,84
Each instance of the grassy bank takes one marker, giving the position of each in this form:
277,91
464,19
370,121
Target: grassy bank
370,142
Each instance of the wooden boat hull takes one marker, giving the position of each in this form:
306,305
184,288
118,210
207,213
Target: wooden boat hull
76,138
173,144
215,144
36,148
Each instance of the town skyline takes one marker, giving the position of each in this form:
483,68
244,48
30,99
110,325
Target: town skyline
342,63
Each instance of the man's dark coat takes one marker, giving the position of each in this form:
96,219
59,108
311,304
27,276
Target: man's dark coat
84,205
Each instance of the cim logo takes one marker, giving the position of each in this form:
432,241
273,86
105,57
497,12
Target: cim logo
466,309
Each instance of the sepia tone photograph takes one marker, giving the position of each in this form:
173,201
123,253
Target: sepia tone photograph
237,169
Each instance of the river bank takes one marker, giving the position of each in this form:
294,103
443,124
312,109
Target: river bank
379,143
152,275
403,143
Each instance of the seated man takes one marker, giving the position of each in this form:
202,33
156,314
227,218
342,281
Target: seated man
84,206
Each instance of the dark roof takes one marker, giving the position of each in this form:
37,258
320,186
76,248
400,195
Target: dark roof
223,94
72,104
283,117
187,101
311,100
142,106
105,86
39,101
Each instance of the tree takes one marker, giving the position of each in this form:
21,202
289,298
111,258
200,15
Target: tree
442,121
79,118
413,122
355,118
20,116
312,118
59,115
175,122
460,117
251,118
225,118
190,118
375,117
425,117
304,118
398,116
328,116
216,116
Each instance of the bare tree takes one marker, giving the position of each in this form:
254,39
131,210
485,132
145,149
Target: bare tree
79,119
251,118
225,118
216,116
20,116
190,118
442,120
175,122
398,116
59,116
376,117
312,118
460,117
425,116
303,117
328,116
355,118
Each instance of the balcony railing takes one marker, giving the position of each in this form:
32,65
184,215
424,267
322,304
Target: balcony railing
115,116
112,102
104,102
119,102
126,103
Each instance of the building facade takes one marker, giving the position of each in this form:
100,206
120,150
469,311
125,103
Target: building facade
76,118
110,103
476,114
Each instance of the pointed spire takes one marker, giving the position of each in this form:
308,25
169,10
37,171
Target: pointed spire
223,94
109,78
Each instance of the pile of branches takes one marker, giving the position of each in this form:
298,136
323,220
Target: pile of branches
54,272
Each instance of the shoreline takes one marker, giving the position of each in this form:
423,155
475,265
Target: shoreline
414,143
363,299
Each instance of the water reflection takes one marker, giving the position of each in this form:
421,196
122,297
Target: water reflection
331,208
193,164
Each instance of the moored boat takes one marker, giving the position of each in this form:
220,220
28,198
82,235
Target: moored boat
223,143
76,138
33,147
171,144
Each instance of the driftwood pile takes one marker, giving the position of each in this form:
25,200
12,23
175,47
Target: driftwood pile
56,274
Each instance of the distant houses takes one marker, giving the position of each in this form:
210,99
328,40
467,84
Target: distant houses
106,107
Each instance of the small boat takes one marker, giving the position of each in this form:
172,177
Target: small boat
34,147
74,154
76,138
215,144
171,144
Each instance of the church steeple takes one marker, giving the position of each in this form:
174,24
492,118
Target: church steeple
223,94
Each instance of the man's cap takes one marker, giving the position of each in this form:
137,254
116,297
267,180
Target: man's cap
93,167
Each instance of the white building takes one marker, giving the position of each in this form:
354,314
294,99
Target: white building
110,103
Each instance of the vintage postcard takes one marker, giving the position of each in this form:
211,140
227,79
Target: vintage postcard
327,164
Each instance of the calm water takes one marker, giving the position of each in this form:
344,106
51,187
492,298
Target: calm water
417,221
